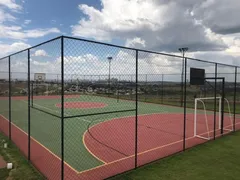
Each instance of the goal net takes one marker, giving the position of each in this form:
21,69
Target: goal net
204,117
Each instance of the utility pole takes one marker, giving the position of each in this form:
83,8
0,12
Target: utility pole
182,50
109,74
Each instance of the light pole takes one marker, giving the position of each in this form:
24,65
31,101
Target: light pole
109,73
182,50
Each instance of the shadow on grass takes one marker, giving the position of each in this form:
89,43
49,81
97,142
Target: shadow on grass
22,170
214,160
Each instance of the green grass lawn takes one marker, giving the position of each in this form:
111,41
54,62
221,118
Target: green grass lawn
22,169
215,160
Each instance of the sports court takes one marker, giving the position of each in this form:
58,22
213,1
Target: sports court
105,140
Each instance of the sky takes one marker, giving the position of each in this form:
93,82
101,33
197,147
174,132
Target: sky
209,28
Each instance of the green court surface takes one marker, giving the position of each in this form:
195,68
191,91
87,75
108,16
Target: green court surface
46,128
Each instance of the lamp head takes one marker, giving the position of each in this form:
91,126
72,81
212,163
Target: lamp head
183,49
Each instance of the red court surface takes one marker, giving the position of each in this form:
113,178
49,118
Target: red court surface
81,105
159,135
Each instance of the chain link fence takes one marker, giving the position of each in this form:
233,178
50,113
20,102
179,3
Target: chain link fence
81,109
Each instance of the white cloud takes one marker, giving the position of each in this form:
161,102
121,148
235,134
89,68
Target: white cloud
34,33
10,31
27,21
11,4
16,32
205,26
6,17
162,25
150,24
7,49
135,42
40,52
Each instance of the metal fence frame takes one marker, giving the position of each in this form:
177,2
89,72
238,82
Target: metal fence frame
62,38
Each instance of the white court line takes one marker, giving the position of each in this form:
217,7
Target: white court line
82,119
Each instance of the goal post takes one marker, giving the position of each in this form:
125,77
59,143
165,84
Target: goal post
203,127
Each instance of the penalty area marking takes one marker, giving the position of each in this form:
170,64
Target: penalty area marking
143,152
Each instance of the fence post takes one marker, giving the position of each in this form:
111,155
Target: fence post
185,104
118,89
234,100
136,112
223,98
131,87
215,102
62,107
162,88
182,84
9,99
32,94
145,88
29,105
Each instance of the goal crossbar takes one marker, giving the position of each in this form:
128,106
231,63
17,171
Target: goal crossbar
219,99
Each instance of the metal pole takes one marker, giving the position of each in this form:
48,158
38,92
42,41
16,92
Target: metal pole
109,75
146,88
118,89
204,87
234,100
32,93
223,97
162,87
29,108
185,110
9,98
131,87
182,50
215,102
182,79
62,108
136,112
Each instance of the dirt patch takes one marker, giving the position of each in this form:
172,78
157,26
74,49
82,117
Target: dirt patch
3,163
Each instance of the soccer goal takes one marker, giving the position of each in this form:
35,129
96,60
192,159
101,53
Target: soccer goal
203,119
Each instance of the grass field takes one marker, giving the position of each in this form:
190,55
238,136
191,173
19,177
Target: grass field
87,139
213,160
22,169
